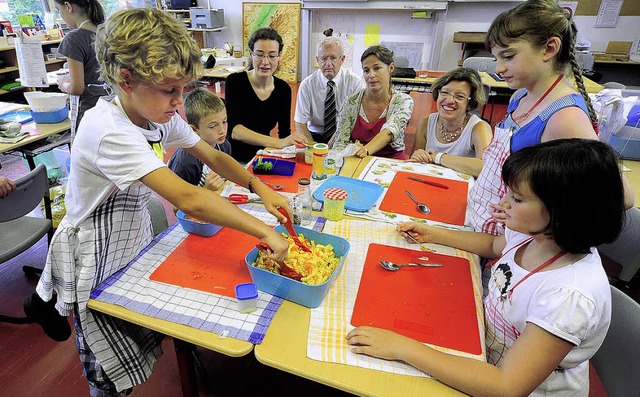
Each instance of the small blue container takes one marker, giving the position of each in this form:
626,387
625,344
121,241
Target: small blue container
280,167
202,229
247,296
50,117
295,291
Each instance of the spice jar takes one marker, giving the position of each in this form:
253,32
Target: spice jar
301,204
320,151
334,202
308,153
300,153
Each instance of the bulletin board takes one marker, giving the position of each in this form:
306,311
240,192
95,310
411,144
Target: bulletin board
283,17
591,7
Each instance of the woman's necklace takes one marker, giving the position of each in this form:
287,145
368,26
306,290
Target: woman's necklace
525,115
83,22
452,136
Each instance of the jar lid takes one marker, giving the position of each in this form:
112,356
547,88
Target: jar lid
246,291
304,181
335,193
320,148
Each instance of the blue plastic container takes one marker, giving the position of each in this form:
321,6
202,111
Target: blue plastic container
280,167
202,229
50,117
295,291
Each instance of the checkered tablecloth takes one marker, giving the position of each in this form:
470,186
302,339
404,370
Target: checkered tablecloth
330,322
382,170
132,289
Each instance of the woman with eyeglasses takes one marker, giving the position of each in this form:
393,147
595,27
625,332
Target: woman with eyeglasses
375,117
257,101
453,136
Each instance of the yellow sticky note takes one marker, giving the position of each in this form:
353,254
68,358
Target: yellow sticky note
371,34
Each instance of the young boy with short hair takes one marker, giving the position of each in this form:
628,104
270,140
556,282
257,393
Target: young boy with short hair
207,117
148,58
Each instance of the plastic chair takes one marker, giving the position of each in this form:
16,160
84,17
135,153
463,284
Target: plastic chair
483,64
401,62
586,61
18,230
616,362
480,64
615,85
625,250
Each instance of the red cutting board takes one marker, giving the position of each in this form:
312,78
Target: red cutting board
447,205
432,305
302,170
211,264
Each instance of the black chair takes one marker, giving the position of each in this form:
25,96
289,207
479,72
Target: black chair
20,231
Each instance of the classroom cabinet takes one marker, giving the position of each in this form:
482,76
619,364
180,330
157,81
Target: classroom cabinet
198,34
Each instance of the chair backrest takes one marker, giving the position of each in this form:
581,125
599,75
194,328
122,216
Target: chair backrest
401,62
158,216
617,361
480,64
585,61
626,250
29,192
613,84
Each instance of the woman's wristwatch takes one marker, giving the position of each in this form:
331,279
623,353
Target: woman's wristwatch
438,159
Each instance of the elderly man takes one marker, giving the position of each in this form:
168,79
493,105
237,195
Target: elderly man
321,94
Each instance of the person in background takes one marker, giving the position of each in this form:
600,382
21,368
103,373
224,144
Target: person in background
6,186
207,116
323,92
453,136
257,101
83,84
117,164
533,44
547,304
375,117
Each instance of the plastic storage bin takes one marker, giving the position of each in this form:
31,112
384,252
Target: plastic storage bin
191,226
280,167
50,117
295,291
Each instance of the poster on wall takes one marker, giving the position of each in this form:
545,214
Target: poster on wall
608,13
283,17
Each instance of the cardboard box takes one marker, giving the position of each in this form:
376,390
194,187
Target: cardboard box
617,51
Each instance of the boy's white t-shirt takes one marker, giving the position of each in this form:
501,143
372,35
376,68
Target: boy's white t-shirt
572,303
113,153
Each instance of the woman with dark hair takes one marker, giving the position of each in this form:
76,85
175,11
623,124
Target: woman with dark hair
375,117
257,101
453,136
84,85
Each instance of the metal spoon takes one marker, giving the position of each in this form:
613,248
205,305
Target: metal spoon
396,266
421,207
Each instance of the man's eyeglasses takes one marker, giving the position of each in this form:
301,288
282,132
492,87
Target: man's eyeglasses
333,59
456,97
272,56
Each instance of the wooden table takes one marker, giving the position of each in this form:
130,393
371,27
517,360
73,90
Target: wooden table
34,144
591,86
285,347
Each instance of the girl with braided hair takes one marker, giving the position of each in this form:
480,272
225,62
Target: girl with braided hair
533,44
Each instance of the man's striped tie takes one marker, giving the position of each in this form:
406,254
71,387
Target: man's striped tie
330,111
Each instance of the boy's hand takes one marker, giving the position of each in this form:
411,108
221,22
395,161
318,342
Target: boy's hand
293,139
213,181
6,186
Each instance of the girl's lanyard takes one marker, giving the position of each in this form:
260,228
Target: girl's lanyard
531,273
525,115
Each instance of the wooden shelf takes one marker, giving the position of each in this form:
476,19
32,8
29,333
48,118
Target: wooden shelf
8,69
472,42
